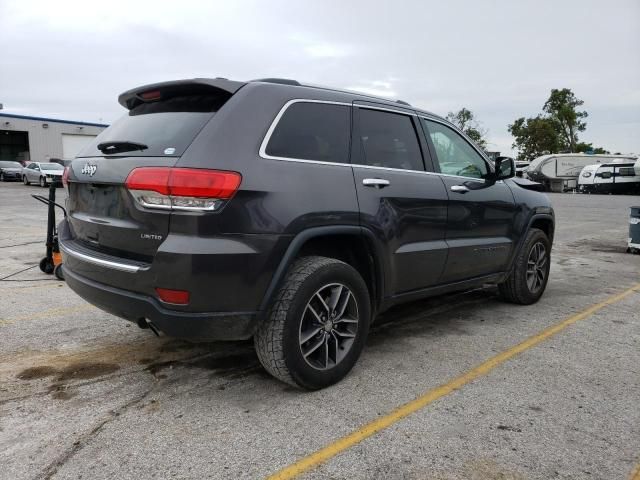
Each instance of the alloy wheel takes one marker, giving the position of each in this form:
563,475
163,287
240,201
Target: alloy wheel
536,267
328,326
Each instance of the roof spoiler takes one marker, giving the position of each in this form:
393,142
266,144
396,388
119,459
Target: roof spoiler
135,96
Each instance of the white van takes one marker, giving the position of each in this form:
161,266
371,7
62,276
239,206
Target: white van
614,177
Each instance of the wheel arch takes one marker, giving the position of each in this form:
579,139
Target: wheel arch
543,221
352,244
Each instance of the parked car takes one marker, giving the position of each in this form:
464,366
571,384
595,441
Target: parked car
10,170
291,214
42,173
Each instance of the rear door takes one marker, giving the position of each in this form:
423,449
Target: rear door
481,214
404,206
158,128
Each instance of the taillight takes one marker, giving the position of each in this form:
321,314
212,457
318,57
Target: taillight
182,188
65,176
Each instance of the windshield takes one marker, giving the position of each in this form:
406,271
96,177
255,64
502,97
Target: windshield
7,164
51,166
160,128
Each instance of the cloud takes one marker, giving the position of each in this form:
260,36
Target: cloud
500,59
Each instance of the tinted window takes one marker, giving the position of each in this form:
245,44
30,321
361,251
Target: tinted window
627,172
6,164
389,140
312,131
167,127
455,155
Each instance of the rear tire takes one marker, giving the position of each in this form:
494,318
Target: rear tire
25,181
317,324
530,272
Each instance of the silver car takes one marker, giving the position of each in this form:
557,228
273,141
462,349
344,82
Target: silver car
42,173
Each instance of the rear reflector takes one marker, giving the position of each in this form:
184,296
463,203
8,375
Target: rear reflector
176,297
182,188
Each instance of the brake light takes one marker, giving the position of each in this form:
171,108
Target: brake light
182,188
176,297
65,176
151,95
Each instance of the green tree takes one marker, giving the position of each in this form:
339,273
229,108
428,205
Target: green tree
534,137
588,147
561,106
466,121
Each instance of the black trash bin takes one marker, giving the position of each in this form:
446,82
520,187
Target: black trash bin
633,245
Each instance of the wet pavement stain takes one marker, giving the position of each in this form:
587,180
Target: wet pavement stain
34,373
60,391
236,363
86,370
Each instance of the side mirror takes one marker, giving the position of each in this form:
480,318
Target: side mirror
505,168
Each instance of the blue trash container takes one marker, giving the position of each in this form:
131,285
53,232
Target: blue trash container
633,245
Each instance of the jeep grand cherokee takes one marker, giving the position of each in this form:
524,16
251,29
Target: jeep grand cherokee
216,209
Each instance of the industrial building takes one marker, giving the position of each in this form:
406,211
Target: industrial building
36,139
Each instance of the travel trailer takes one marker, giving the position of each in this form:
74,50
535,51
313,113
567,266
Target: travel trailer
615,177
559,172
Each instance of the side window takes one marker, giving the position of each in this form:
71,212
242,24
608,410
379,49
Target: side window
455,155
312,131
627,172
389,140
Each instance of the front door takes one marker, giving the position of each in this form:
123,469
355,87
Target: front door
404,206
480,226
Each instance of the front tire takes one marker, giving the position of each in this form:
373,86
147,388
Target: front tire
530,272
25,181
317,325
43,182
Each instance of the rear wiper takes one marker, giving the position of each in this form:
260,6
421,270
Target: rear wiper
118,146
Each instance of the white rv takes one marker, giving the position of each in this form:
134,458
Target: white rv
614,177
559,172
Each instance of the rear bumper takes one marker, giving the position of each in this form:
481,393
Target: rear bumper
12,176
133,306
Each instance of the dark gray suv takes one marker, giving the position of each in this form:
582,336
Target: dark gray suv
292,214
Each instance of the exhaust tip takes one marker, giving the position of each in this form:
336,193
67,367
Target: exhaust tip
142,323
145,323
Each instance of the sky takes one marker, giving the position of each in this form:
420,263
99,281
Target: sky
71,58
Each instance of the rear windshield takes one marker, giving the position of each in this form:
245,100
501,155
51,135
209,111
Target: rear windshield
8,164
51,166
164,127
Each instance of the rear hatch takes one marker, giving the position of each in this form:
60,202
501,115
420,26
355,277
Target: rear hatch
162,122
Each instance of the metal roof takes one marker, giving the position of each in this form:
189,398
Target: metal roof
53,120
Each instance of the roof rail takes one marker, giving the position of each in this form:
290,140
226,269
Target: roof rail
281,81
402,102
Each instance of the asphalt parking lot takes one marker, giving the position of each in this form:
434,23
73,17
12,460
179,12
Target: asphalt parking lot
86,395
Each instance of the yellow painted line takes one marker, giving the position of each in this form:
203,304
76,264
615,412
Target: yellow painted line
348,441
46,313
635,475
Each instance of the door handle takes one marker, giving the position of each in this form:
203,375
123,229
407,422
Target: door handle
459,189
376,182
